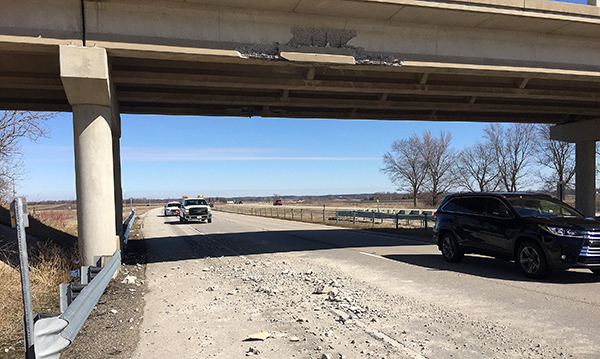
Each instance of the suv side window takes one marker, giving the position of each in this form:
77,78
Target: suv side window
495,208
468,205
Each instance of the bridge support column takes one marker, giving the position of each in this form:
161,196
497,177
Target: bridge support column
86,79
584,135
118,198
585,177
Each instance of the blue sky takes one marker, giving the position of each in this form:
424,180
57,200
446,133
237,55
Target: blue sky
171,156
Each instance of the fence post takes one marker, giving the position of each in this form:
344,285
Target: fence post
353,217
301,214
425,214
271,211
323,213
311,215
373,220
336,217
284,213
396,220
292,213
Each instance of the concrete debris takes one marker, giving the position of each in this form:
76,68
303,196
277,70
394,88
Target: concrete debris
130,279
259,336
252,351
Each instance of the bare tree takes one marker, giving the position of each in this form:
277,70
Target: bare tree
513,148
14,126
404,165
557,155
439,158
476,168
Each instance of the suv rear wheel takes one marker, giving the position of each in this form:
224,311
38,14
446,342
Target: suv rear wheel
450,249
532,260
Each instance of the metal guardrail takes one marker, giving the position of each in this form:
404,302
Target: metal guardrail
128,223
47,335
423,216
52,334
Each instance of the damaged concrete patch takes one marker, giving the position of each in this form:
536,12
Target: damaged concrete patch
313,40
375,58
259,51
320,37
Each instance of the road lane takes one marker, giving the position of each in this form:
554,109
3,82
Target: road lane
554,313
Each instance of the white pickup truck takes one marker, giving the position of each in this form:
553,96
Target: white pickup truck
195,209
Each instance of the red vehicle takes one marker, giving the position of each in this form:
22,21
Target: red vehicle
277,202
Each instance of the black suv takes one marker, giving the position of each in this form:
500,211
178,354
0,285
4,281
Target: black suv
538,232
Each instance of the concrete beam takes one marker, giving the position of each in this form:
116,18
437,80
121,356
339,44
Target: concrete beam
577,131
84,74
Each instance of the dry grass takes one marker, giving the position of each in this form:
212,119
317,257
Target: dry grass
49,267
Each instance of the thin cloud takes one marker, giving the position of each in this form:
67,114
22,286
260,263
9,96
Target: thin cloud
178,154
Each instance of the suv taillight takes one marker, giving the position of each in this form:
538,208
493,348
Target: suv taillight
435,214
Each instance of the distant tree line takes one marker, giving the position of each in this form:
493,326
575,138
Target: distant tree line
508,158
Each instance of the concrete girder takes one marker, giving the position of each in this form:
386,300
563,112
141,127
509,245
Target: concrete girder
96,127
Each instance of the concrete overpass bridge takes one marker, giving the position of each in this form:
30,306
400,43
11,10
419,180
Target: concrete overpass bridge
471,60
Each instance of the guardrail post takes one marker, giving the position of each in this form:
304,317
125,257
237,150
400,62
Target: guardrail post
19,223
311,215
425,214
52,334
396,220
373,220
353,217
301,214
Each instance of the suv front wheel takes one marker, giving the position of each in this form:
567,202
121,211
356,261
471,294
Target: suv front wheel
532,260
450,249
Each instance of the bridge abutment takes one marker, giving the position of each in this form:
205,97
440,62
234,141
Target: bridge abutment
96,129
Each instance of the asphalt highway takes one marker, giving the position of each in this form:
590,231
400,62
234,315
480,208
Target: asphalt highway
559,313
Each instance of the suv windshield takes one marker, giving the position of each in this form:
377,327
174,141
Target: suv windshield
541,207
195,202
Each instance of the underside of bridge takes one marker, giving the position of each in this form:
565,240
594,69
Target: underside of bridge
205,85
473,60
